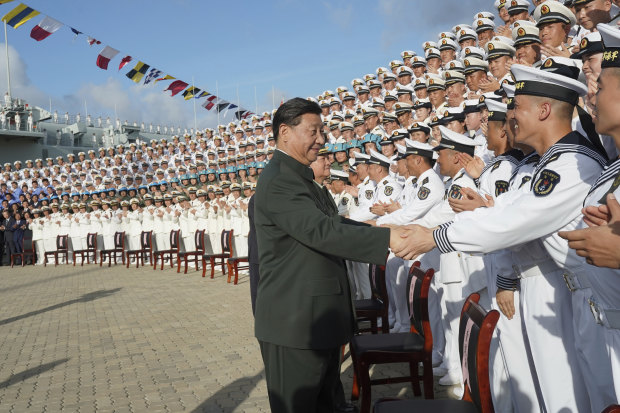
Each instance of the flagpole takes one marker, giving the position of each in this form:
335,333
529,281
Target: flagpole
50,104
8,68
85,108
217,93
255,100
194,99
238,102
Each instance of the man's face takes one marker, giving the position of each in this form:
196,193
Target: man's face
374,172
552,34
528,53
446,162
437,97
371,122
418,71
456,126
607,102
473,80
525,118
592,65
503,14
447,55
303,141
455,93
592,13
404,79
495,137
518,16
498,66
484,37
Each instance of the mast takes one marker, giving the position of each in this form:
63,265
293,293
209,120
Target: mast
8,67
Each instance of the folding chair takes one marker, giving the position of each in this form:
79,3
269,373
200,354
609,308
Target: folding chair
62,248
227,252
475,333
91,248
413,347
119,248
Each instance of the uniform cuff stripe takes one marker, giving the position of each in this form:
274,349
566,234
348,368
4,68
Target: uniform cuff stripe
440,236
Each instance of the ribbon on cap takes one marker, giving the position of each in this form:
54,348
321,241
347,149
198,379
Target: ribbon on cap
534,88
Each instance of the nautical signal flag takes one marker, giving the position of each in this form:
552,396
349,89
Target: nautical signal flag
19,15
91,40
137,73
5,1
45,28
190,92
210,102
105,56
167,77
124,61
202,95
176,86
153,74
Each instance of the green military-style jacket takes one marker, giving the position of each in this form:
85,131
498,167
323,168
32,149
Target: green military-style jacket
303,298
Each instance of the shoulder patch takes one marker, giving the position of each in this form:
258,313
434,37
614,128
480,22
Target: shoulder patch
369,193
500,187
423,193
345,200
357,202
425,181
546,182
388,190
455,192
496,165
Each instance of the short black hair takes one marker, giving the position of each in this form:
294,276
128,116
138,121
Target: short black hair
291,111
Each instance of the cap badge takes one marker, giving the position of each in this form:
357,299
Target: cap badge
521,31
544,9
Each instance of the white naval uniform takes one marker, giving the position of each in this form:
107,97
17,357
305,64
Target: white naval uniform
214,236
561,179
596,305
75,232
133,228
343,202
456,278
159,232
106,225
417,198
94,219
65,229
37,238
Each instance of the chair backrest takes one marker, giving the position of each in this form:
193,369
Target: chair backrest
62,242
174,239
119,240
146,238
475,333
226,239
91,241
199,239
418,286
376,273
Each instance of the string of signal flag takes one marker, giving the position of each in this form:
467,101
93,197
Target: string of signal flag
141,72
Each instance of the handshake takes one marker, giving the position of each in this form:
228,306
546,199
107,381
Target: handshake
410,241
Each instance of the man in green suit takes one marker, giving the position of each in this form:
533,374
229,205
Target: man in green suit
304,312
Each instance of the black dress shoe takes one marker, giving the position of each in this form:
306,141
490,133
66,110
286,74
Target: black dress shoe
346,407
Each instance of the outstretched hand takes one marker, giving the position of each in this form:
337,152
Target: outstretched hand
414,241
473,165
470,201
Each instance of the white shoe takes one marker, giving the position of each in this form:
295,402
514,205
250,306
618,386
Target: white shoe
440,371
451,378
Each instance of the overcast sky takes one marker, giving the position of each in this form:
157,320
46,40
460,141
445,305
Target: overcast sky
245,48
